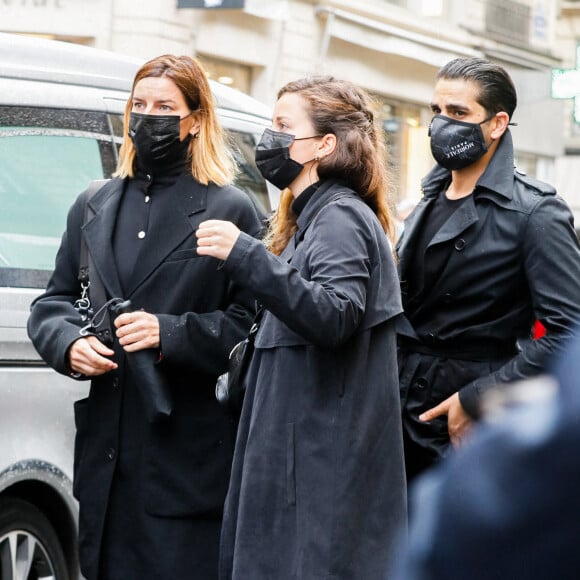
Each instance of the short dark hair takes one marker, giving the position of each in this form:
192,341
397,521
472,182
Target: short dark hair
496,88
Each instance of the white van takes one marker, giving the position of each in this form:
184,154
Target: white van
61,108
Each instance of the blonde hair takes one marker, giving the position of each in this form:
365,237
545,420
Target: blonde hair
211,158
359,158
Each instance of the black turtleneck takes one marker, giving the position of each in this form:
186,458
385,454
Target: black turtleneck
139,210
300,202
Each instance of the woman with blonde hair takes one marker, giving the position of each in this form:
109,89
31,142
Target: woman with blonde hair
151,479
318,482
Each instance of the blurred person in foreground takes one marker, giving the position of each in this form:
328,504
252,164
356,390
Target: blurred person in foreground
506,505
487,251
151,490
318,484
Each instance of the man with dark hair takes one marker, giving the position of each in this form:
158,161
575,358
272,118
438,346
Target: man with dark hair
486,252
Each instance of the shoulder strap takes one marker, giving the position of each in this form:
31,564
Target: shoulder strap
88,277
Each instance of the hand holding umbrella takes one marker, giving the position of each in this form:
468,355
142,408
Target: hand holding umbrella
138,334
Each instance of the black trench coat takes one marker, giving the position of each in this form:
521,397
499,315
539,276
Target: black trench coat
173,474
508,256
318,484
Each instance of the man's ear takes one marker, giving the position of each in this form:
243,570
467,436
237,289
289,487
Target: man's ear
501,121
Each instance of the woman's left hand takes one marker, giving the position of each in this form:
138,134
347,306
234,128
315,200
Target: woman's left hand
137,330
216,238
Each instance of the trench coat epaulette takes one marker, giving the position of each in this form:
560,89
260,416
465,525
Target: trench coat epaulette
537,186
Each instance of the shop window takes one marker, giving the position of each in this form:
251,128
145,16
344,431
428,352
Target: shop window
232,74
409,158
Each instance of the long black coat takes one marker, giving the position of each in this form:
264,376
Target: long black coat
170,477
507,256
318,485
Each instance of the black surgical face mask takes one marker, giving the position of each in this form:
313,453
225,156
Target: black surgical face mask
456,144
273,158
156,138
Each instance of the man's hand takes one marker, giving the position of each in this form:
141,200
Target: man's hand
458,421
87,356
137,330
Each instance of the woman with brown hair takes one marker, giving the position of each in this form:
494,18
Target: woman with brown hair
151,485
318,484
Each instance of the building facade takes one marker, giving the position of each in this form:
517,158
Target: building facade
393,48
567,168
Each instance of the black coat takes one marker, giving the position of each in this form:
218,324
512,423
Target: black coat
172,474
506,505
318,484
508,256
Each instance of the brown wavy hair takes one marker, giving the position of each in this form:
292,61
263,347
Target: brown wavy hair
359,158
211,159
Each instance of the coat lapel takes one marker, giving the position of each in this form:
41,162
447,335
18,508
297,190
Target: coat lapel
324,194
460,220
172,229
98,233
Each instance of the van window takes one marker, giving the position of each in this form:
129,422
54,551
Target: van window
249,178
41,173
48,158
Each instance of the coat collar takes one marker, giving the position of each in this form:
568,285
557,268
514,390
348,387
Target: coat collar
175,226
323,195
498,176
325,192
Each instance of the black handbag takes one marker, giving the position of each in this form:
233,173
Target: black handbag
230,387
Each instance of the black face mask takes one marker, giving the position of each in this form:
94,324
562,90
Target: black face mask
456,144
156,138
273,158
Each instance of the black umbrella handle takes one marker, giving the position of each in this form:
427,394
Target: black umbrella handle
156,393
121,307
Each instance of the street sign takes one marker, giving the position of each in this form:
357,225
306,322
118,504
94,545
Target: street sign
210,3
566,84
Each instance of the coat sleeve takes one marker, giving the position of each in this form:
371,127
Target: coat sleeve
325,304
551,261
53,324
203,341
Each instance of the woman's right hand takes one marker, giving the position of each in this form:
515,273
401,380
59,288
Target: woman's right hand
87,356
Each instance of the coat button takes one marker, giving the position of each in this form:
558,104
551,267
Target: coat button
447,297
116,382
111,453
459,244
421,383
